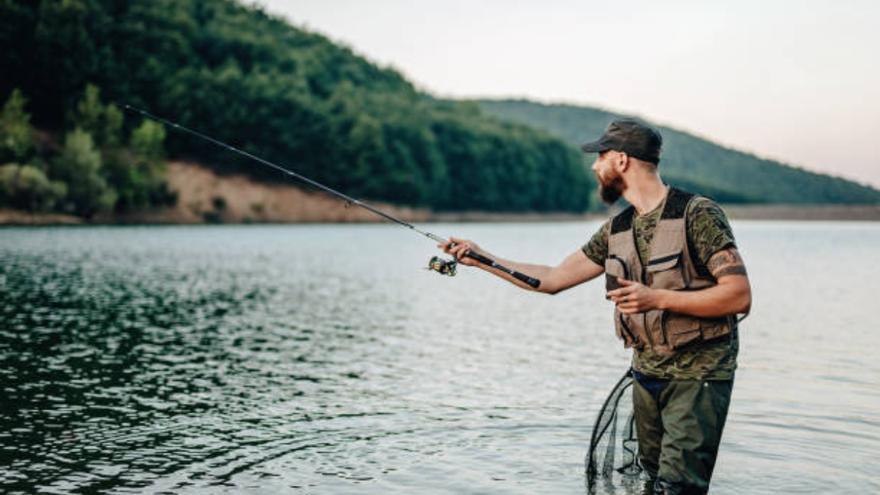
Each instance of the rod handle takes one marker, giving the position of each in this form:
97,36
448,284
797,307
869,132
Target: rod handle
522,277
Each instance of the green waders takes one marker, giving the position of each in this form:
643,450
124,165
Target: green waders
679,425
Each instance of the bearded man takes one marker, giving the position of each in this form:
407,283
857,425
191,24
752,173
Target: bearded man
678,282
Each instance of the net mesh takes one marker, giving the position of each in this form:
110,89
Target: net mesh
612,462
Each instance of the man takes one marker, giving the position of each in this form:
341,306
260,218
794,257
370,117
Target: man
677,282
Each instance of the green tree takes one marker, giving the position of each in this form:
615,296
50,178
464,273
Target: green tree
89,112
27,187
16,134
103,122
148,141
137,173
79,166
112,128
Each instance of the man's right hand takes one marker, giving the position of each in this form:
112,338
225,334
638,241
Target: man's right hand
573,270
459,248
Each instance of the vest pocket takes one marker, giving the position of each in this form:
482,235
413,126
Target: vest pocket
714,328
665,272
614,267
680,330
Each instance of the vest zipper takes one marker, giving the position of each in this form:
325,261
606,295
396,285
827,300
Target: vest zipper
626,276
629,332
643,277
663,259
622,263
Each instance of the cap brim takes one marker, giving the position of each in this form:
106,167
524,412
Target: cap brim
595,147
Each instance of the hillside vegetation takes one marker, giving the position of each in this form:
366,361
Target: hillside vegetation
291,96
97,168
693,163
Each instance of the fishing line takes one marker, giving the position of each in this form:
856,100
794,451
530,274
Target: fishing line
445,267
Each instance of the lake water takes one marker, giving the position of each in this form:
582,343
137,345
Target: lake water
259,359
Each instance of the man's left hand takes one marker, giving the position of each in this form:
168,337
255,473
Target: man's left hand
633,297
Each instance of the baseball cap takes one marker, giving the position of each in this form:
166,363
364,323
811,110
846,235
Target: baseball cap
631,137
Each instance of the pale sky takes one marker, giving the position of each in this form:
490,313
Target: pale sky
796,81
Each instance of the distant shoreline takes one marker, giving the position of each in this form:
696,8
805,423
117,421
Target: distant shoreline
804,212
205,197
738,212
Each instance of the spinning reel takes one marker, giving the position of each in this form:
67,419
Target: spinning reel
442,266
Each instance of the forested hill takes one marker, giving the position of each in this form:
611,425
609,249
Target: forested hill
294,97
252,79
694,163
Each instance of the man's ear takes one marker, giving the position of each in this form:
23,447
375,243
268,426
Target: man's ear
622,162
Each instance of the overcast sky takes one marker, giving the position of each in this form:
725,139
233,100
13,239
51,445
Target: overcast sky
796,81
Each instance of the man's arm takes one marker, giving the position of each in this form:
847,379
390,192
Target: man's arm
575,269
732,295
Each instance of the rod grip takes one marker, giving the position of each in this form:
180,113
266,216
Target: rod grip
530,281
479,257
522,277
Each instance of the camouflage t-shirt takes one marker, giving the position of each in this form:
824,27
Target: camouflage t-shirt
709,232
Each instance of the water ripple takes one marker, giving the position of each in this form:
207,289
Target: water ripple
265,359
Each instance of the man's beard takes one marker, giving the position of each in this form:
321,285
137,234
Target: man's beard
611,191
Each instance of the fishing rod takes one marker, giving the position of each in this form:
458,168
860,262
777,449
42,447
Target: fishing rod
445,267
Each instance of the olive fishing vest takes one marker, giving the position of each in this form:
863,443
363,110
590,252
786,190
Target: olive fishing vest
670,266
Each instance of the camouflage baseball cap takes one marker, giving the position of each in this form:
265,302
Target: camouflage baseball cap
631,137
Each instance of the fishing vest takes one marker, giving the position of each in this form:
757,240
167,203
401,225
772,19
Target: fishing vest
670,266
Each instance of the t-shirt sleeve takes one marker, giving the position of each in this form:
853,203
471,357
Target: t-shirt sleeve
597,247
708,229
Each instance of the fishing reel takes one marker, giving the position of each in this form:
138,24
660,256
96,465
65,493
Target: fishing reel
443,267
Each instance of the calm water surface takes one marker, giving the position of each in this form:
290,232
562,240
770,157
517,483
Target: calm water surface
265,359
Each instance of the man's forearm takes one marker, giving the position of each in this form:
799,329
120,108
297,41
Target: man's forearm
723,299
